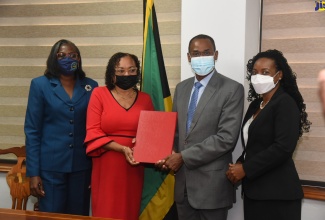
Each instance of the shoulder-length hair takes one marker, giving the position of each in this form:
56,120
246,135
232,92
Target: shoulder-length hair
52,66
113,63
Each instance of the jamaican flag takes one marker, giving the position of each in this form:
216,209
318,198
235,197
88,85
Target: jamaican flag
158,190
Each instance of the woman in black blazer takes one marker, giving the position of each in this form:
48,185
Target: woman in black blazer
273,123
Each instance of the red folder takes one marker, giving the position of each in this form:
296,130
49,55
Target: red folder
155,136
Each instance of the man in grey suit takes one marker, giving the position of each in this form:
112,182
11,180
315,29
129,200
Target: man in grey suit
204,140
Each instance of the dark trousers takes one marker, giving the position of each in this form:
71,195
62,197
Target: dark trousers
67,193
272,209
187,212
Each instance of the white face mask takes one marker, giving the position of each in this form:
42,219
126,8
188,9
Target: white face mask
203,65
263,84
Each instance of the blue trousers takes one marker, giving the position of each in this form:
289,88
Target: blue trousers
67,193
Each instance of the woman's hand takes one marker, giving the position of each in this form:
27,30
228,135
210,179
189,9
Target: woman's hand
235,173
128,153
36,186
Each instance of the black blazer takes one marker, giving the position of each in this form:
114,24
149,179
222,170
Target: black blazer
267,158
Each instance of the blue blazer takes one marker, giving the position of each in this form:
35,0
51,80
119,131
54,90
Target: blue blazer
55,126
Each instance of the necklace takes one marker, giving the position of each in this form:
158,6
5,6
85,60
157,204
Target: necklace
261,105
128,96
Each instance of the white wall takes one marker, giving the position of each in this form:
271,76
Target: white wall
235,28
225,23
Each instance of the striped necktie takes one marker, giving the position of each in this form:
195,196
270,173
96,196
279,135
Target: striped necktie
192,106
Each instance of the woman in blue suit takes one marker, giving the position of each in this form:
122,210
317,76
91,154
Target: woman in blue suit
273,123
55,128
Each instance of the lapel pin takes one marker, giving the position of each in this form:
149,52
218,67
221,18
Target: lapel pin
88,88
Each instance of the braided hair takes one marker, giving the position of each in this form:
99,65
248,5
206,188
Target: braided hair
288,83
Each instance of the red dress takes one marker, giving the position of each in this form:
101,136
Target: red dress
116,186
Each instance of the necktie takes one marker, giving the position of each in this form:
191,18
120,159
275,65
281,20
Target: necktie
192,106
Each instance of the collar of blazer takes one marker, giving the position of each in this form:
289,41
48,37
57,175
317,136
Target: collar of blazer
216,81
78,92
254,106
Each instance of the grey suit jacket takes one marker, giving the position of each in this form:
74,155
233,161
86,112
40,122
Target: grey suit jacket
207,148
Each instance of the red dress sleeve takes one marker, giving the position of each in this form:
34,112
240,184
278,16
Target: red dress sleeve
95,137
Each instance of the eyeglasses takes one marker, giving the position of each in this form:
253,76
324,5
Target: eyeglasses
199,54
62,55
265,72
131,71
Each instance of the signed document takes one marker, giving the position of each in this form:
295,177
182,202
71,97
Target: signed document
155,136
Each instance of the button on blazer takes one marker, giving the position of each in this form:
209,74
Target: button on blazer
55,126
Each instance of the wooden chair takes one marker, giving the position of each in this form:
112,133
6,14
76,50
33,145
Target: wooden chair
16,178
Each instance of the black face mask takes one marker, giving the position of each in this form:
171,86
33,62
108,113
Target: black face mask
126,82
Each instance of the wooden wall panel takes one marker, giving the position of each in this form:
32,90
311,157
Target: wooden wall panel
296,29
29,28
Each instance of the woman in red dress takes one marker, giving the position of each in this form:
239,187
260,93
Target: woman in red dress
112,120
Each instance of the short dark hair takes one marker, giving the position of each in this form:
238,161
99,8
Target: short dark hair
202,36
52,65
113,62
288,83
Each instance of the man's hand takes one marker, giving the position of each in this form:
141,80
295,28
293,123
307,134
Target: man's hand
160,164
172,162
